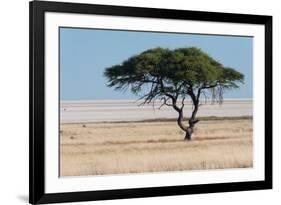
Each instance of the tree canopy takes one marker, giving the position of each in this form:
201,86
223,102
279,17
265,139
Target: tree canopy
173,74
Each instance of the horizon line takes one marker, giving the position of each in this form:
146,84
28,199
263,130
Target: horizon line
136,100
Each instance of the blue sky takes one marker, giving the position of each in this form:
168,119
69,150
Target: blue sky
85,53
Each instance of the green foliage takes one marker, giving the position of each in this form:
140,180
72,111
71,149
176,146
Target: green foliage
173,73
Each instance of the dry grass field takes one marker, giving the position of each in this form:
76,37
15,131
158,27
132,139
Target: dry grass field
134,147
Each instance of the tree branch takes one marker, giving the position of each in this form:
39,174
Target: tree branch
198,94
164,103
182,103
192,95
210,86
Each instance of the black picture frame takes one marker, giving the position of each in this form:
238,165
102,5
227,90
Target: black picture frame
37,194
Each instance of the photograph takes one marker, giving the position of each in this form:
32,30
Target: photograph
133,102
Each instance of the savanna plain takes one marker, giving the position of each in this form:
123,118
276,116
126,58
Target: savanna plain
154,146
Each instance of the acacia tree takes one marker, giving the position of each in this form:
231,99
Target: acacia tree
173,76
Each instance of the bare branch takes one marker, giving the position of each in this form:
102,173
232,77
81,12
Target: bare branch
164,103
182,103
150,96
198,94
192,95
195,121
205,95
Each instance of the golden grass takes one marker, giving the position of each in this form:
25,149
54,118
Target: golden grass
115,148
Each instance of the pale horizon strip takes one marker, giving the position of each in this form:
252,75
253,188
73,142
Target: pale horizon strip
137,100
129,110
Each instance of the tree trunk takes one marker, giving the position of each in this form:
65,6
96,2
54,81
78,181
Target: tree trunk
188,134
180,121
188,130
192,121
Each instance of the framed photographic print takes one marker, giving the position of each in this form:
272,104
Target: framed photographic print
140,102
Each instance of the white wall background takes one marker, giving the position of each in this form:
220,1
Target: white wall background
14,100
